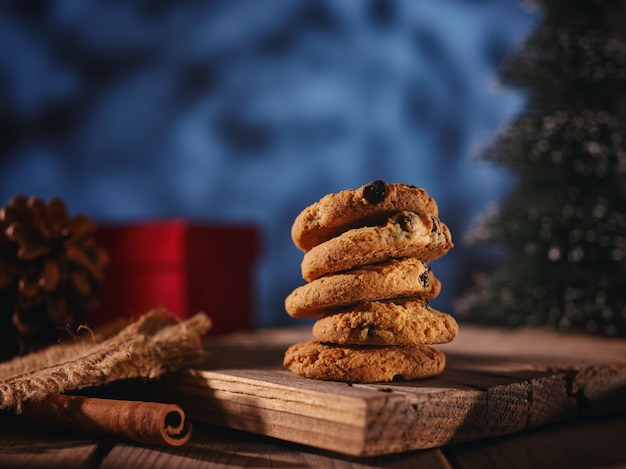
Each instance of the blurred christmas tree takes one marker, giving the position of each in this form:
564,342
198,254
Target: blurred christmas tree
563,224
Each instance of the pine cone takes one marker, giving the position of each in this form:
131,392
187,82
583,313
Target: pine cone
51,271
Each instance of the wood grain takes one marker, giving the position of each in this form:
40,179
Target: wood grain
216,447
596,443
496,382
26,448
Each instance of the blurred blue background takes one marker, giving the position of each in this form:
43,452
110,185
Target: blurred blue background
246,111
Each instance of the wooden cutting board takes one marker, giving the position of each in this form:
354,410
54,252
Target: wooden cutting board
496,382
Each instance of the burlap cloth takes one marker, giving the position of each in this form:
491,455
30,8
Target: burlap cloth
152,345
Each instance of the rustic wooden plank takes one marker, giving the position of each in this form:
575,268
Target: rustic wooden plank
316,432
303,413
601,390
496,382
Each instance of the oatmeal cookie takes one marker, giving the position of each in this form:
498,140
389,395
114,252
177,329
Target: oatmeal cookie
364,364
403,278
406,234
407,322
370,204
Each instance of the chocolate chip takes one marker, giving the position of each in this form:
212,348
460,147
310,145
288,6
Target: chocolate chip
375,192
405,222
435,227
365,332
423,278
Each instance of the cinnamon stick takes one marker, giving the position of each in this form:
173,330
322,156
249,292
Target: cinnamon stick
149,423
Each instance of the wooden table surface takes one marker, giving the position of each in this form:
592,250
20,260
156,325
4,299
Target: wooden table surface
587,439
576,444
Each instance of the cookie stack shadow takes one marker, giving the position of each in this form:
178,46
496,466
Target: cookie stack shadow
367,255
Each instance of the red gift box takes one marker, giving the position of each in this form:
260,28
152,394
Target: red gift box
182,266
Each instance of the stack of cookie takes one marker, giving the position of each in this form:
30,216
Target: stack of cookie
366,261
